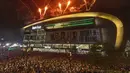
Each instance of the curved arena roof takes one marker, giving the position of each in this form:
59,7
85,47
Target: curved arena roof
114,19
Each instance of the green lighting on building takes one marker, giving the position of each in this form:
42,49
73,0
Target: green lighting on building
10,49
82,22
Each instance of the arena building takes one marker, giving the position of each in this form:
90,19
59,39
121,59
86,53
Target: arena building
81,30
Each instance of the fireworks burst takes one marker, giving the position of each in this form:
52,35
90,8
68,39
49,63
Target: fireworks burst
62,7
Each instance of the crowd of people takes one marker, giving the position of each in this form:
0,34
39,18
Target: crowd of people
40,64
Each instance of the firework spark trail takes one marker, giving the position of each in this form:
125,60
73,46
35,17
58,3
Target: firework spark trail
81,6
73,9
93,2
45,1
48,2
45,10
35,3
89,4
60,7
40,11
27,7
85,3
67,6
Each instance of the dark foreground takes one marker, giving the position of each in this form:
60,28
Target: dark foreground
37,62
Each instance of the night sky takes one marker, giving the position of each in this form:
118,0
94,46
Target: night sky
12,13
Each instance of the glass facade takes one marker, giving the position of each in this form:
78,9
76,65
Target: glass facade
74,36
39,36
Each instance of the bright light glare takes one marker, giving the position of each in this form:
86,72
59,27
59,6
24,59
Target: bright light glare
45,10
7,44
68,3
20,45
2,39
40,11
14,45
60,6
47,47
